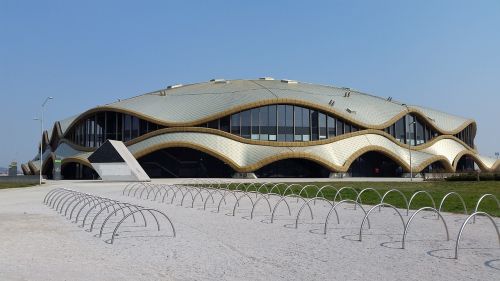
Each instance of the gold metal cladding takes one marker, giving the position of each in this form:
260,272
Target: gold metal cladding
26,169
449,167
79,160
33,168
235,109
299,155
477,160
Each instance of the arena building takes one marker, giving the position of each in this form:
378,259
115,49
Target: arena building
266,128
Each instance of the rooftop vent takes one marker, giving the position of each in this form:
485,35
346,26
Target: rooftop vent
174,86
350,111
289,81
219,81
389,99
347,94
266,78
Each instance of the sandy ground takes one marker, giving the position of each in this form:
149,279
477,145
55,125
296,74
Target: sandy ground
37,243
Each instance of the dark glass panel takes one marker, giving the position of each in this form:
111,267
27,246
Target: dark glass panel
281,122
255,123
314,125
119,126
224,123
127,127
111,125
289,123
214,124
340,127
272,122
420,132
306,125
411,129
322,126
235,124
331,126
135,127
400,130
264,123
100,126
298,123
143,126
347,128
246,123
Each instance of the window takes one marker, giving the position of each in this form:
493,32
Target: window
281,122
400,130
264,123
235,124
322,126
255,124
127,127
289,123
298,123
135,127
314,125
420,132
111,125
331,127
340,127
411,129
246,124
225,123
119,126
272,122
306,124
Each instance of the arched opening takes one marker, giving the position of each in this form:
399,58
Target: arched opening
48,169
293,168
78,171
182,162
465,164
375,164
435,167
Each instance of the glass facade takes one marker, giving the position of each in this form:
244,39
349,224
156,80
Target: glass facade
283,122
412,130
94,130
467,136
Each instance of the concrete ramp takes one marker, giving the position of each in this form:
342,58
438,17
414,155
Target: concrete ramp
114,162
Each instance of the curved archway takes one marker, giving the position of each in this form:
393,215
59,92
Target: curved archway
183,162
48,168
75,170
376,164
466,163
293,168
438,166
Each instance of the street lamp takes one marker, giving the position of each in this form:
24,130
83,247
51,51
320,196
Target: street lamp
41,131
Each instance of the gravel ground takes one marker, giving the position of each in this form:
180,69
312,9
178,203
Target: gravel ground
37,243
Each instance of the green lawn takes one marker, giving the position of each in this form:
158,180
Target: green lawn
4,185
470,191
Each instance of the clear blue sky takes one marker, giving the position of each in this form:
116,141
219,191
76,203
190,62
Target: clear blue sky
440,54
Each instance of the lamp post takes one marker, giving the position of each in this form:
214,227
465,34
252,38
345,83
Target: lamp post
41,131
407,138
